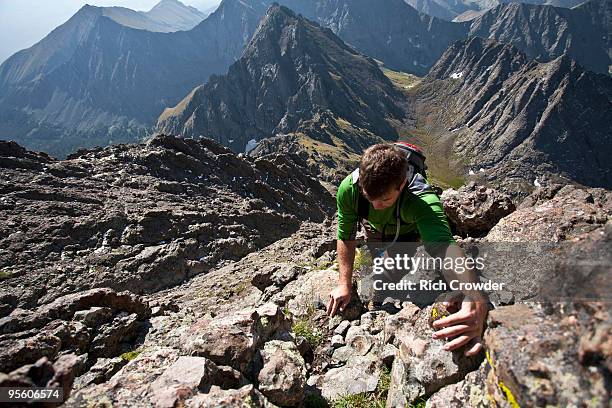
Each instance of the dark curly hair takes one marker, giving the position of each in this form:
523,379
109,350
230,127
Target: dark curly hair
382,166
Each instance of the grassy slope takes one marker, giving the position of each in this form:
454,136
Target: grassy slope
429,132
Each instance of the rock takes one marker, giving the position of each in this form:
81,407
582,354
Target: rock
359,340
276,274
31,334
273,320
438,311
235,398
360,374
226,377
550,271
15,353
109,337
405,317
388,354
333,322
283,376
65,307
343,354
473,210
471,392
228,339
64,373
337,341
555,213
422,366
94,316
43,373
101,371
373,322
163,307
535,357
342,327
312,290
184,378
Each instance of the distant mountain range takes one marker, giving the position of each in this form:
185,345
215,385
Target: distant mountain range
93,81
522,121
96,81
463,10
167,16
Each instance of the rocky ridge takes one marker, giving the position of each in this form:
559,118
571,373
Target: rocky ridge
141,216
252,326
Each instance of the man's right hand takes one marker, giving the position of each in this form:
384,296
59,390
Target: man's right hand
339,298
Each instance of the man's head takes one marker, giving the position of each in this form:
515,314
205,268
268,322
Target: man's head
382,174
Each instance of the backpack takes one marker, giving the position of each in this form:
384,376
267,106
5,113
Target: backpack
416,160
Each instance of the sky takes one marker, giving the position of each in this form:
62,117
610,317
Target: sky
25,22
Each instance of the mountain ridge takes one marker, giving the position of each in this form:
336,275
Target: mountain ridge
292,71
522,120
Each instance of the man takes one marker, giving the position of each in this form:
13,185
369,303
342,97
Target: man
402,205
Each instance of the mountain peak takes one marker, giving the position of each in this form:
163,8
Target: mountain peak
477,57
278,15
293,76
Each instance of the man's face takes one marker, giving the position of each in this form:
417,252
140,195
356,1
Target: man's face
387,199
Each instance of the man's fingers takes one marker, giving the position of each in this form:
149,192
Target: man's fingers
345,302
462,316
451,331
456,343
331,307
475,348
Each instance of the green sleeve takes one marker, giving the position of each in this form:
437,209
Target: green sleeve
426,211
346,201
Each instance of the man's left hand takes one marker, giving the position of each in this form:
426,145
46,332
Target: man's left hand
463,327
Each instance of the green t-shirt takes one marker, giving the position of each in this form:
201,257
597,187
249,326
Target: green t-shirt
421,212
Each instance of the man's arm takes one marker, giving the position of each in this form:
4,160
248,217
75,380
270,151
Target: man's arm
466,325
341,295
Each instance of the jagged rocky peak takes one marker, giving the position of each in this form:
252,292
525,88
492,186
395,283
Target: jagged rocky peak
290,72
476,56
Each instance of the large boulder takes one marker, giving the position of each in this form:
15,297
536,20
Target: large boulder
473,210
360,374
555,213
283,376
312,290
187,376
229,339
556,355
233,338
422,366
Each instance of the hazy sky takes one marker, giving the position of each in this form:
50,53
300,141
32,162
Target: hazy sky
25,22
